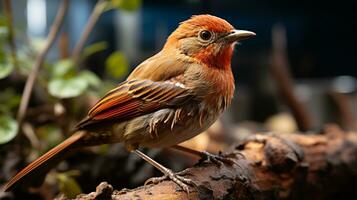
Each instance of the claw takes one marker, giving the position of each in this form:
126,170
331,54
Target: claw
182,182
155,180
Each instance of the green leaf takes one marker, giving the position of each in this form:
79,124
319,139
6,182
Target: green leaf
5,69
8,129
62,67
117,65
91,78
128,5
68,185
9,98
94,48
67,88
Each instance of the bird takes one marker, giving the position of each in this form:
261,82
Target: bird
167,99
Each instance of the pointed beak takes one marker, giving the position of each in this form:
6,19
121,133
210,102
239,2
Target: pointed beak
238,35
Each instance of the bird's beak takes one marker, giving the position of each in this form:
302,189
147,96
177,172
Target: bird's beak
238,35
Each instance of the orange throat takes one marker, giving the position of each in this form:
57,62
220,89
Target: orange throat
221,59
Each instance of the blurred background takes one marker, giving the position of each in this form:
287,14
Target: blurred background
299,73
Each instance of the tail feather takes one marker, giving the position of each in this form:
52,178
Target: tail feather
44,163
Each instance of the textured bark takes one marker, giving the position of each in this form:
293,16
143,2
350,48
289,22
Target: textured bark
269,166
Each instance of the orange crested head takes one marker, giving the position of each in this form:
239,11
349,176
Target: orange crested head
208,22
208,39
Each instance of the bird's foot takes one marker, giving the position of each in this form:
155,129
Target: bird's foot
176,178
219,159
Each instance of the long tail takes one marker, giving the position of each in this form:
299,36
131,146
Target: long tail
43,164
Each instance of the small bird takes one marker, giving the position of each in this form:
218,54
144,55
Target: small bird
169,98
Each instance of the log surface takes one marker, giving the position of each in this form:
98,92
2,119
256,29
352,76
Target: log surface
268,166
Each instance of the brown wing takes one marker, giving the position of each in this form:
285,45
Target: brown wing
134,98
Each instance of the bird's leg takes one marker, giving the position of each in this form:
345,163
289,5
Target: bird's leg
205,156
168,174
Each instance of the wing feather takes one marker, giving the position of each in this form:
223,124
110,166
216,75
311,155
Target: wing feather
134,98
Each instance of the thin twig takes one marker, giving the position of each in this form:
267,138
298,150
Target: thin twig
31,135
97,11
40,58
284,81
11,36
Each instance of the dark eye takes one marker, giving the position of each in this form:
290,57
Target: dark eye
205,35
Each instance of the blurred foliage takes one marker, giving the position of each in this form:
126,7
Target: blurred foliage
5,66
5,69
67,87
50,135
8,128
66,82
68,185
128,5
3,31
59,82
9,100
94,48
113,61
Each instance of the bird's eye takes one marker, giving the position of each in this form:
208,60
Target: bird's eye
205,35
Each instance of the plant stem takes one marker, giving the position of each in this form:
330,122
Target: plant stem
97,11
40,58
11,36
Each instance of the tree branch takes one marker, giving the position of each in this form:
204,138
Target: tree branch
39,60
282,76
98,10
286,166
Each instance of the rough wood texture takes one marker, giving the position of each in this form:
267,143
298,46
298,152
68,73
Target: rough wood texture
285,166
